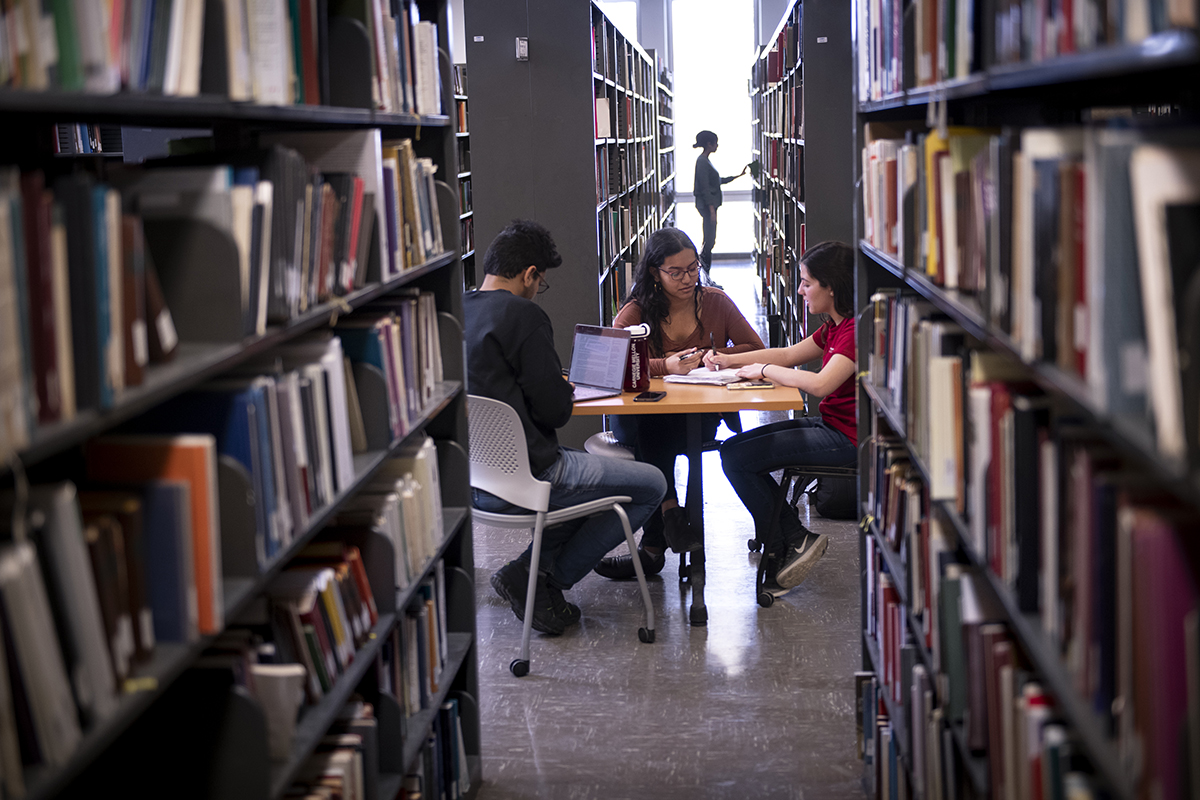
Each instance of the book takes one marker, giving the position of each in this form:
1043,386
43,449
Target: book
186,457
1165,185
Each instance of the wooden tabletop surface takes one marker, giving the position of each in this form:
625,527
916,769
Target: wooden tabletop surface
691,398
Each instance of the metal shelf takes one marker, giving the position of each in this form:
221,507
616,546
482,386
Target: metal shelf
1166,50
1085,723
195,363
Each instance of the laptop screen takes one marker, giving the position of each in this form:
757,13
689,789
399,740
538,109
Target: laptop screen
599,356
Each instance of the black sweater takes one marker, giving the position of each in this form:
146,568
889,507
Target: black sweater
511,358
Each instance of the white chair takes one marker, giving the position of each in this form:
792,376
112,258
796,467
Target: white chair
500,466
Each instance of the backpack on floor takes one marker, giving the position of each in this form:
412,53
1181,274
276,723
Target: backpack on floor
837,498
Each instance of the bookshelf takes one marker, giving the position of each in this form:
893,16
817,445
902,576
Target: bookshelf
466,214
805,65
1017,481
667,156
568,138
182,721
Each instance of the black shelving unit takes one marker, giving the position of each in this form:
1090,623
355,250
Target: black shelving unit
1160,71
801,113
154,705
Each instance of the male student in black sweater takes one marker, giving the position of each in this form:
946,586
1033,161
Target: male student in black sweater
511,358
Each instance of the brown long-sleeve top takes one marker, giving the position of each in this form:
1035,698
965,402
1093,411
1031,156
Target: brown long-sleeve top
718,315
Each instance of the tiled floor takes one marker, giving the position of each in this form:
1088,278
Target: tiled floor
759,703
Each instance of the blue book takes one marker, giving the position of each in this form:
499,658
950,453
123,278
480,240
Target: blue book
362,344
20,284
103,316
167,553
260,426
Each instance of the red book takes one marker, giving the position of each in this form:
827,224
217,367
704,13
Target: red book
137,349
308,53
997,654
329,215
1164,593
355,211
998,514
37,202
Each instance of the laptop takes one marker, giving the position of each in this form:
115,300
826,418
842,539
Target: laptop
598,362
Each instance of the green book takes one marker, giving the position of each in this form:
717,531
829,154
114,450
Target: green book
70,71
954,663
314,649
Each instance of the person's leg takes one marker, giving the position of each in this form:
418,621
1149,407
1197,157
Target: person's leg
710,238
749,458
659,440
578,477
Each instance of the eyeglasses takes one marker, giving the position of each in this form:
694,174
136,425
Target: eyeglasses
544,285
679,274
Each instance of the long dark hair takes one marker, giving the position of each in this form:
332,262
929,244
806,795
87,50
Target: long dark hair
647,289
832,265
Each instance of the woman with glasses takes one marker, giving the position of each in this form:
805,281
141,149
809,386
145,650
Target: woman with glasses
686,319
828,440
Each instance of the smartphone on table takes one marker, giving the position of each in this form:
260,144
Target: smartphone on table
649,397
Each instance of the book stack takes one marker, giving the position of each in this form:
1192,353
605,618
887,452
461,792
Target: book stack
396,341
1059,239
1052,521
346,763
272,52
322,611
403,503
442,765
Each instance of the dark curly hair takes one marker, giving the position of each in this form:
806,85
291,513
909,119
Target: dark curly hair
647,289
831,264
522,244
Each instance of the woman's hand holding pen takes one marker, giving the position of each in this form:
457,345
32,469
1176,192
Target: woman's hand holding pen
714,360
684,361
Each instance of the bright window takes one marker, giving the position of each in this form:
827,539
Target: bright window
714,48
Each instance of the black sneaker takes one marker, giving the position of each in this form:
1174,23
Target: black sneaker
770,583
569,613
681,536
620,568
801,556
511,581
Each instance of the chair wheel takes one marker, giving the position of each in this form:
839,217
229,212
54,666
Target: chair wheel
646,635
754,545
766,599
519,667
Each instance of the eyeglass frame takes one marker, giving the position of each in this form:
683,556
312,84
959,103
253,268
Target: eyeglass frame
543,284
677,273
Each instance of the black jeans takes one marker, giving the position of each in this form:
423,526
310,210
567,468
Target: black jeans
710,237
657,439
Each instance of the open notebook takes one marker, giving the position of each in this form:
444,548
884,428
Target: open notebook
714,377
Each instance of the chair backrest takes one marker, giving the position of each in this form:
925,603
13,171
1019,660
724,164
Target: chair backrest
500,456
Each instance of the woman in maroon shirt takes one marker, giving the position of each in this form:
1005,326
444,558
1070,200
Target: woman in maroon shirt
686,320
830,440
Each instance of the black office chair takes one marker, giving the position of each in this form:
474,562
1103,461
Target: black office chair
796,481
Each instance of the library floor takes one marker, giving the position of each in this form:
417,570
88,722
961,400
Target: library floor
759,703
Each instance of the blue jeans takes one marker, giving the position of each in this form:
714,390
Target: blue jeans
749,458
572,549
